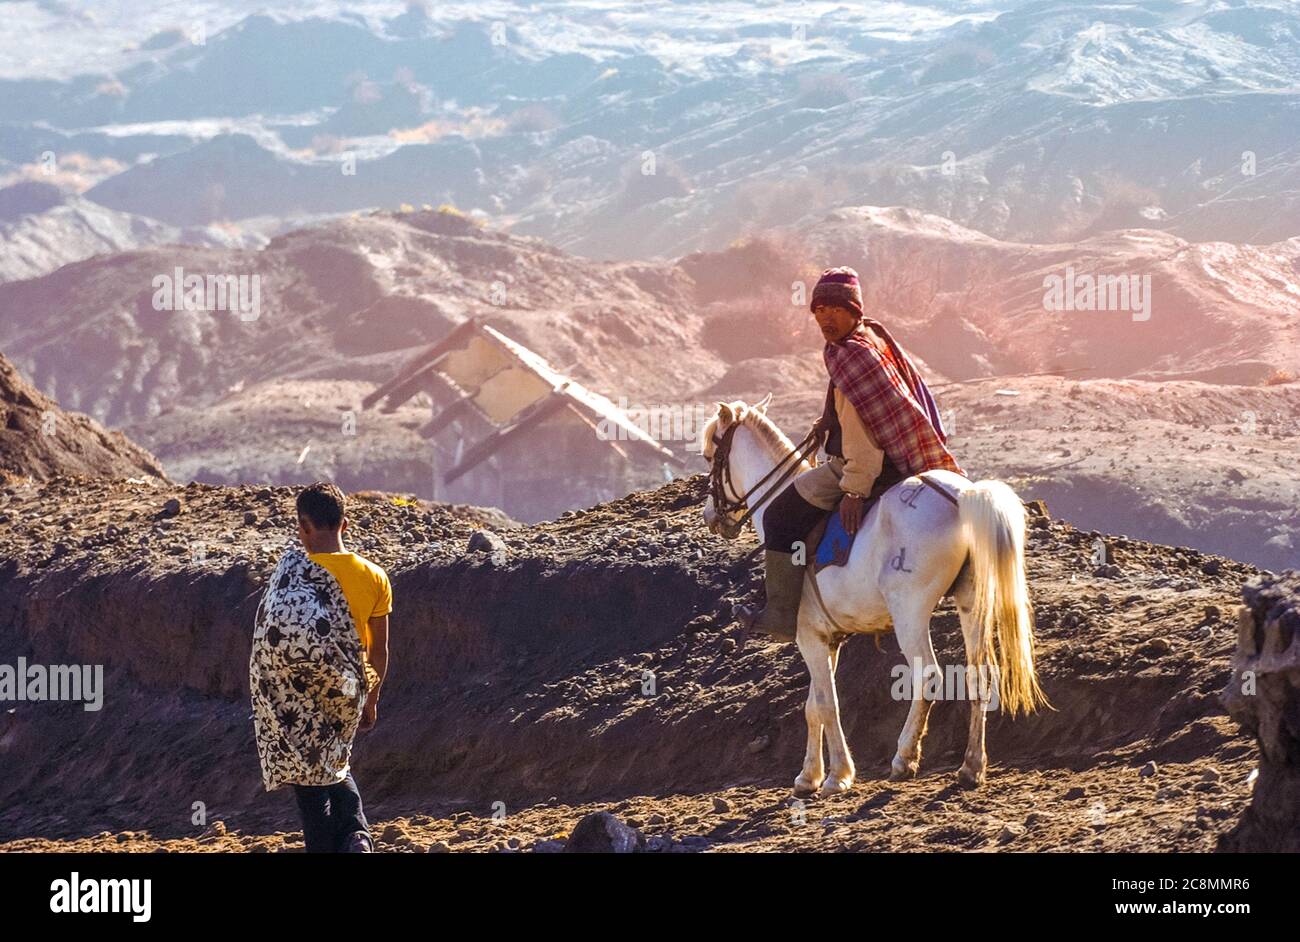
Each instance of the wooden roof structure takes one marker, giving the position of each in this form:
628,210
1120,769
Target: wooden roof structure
476,369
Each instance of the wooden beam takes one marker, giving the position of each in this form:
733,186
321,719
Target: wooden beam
525,420
448,415
596,430
419,382
419,364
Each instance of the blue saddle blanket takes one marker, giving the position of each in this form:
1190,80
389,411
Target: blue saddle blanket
835,544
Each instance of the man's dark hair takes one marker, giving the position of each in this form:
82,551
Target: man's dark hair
323,504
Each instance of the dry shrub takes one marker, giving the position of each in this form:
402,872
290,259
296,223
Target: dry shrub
763,324
748,266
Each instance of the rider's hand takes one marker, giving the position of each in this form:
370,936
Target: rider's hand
851,513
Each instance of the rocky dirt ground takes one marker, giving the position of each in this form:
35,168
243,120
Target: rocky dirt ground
518,698
1182,807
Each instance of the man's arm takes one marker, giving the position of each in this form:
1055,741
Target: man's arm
864,459
379,648
863,462
378,657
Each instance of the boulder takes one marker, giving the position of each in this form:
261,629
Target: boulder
604,833
1263,695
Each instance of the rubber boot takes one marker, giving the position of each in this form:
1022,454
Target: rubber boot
783,580
359,842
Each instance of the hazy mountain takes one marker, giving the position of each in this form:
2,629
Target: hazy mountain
42,228
620,133
331,298
347,299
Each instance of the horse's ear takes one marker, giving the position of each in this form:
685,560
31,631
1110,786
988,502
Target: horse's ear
762,406
725,413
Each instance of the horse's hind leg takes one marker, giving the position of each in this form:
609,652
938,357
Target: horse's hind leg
980,683
913,632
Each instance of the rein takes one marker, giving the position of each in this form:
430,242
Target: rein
720,474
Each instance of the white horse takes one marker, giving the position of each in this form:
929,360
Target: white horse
910,550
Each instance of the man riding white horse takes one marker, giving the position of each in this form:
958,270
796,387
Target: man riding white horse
881,426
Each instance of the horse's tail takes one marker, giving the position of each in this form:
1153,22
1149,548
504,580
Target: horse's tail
993,521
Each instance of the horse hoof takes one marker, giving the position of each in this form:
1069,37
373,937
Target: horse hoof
804,788
900,771
968,779
835,786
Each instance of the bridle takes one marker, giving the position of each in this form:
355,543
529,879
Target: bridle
720,481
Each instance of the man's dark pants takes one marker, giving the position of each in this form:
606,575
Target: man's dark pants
331,814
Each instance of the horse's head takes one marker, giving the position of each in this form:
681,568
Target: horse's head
724,511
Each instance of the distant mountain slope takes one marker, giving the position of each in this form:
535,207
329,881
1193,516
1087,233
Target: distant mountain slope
617,134
40,440
349,299
42,229
346,299
974,305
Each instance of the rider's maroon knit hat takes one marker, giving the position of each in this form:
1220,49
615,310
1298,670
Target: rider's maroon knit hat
838,286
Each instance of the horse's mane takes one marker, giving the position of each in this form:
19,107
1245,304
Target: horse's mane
768,434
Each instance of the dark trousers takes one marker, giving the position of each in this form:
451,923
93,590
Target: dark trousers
331,814
788,518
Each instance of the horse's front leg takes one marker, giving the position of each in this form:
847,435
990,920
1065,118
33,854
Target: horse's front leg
841,774
813,771
822,711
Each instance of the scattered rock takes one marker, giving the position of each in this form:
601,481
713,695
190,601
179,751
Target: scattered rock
603,833
1156,647
485,541
1009,833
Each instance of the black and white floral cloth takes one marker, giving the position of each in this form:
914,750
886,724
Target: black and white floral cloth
307,675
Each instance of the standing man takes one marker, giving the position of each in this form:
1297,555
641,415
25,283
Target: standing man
320,655
881,426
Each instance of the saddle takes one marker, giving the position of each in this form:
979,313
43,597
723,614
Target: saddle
835,544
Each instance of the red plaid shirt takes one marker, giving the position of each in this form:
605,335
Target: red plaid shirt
877,384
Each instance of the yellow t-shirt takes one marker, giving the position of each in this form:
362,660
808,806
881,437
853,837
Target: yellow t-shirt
365,586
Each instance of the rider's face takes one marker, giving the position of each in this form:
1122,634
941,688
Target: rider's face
835,322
